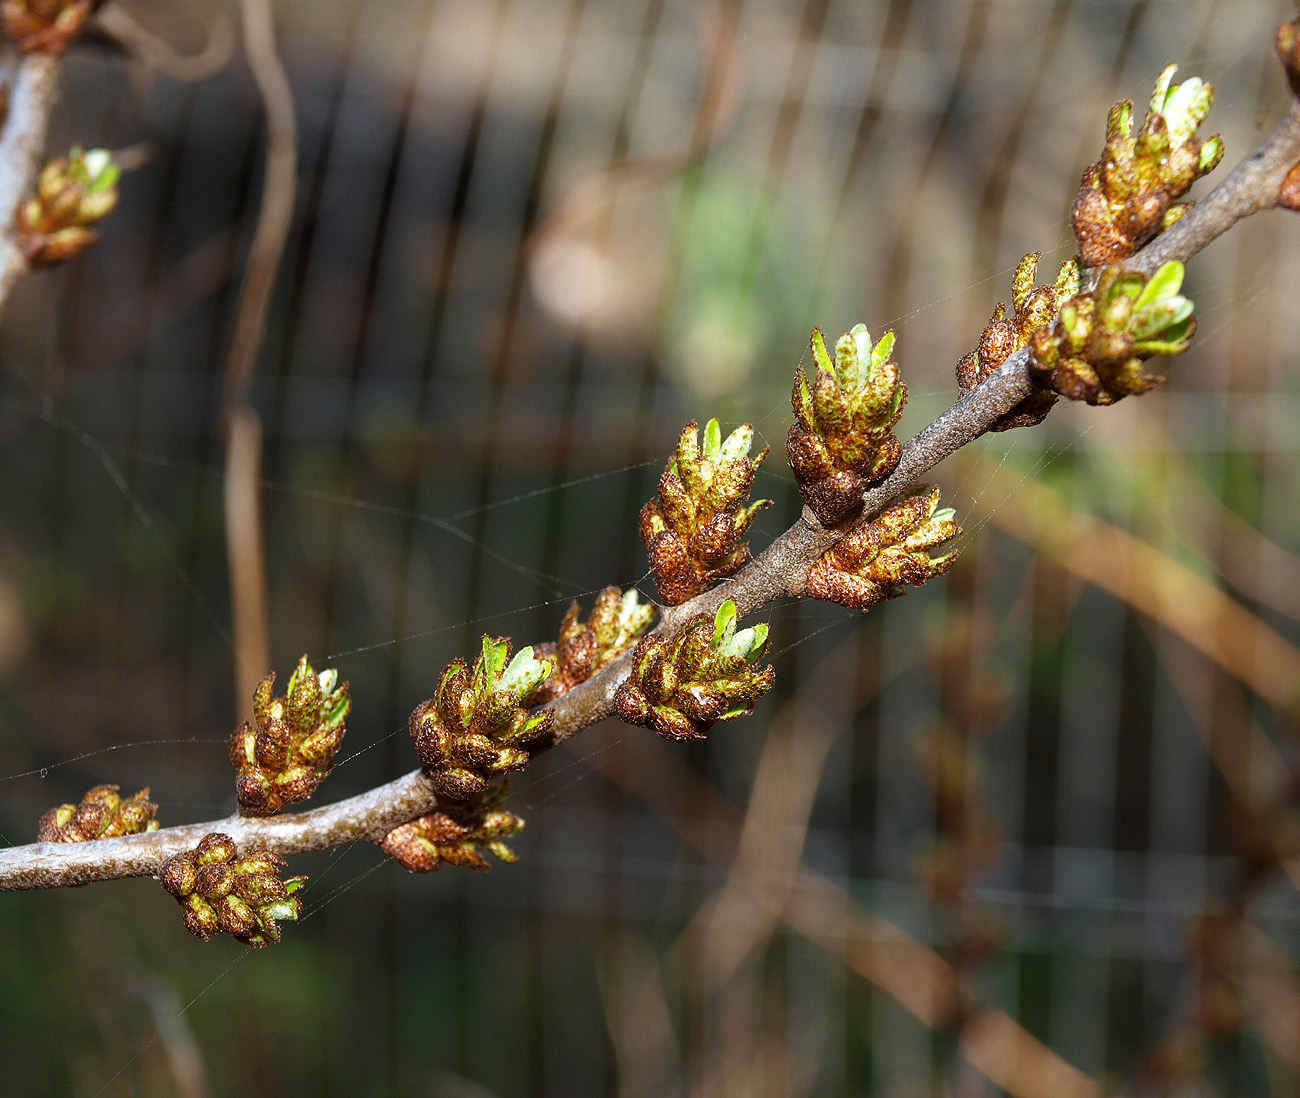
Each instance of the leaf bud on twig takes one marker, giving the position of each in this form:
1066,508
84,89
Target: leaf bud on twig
454,836
45,26
288,750
1003,336
878,557
220,891
1288,52
844,439
617,619
477,723
1095,349
102,814
1131,194
705,674
73,193
694,528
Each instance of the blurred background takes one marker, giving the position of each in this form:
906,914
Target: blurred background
1032,822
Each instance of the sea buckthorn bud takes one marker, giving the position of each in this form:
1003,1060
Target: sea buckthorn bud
843,438
288,750
705,674
1032,307
617,620
1131,194
220,891
477,724
102,814
879,557
694,528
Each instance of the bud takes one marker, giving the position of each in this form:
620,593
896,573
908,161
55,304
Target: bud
1288,52
1002,337
477,723
705,674
102,814
1131,194
1095,349
877,558
219,890
72,194
617,620
288,750
45,26
844,439
694,528
454,837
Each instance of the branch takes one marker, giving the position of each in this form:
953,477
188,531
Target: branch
780,571
22,142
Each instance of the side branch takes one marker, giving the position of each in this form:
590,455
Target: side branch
21,144
367,817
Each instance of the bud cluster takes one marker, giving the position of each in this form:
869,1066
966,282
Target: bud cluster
694,528
45,26
72,194
477,723
219,890
288,750
1095,349
617,619
102,814
877,558
1033,306
453,837
844,439
705,674
1132,192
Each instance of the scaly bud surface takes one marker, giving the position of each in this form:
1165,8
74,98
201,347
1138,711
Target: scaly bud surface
844,439
102,814
694,528
220,890
289,748
1288,52
583,648
1131,193
1032,307
1095,349
72,194
454,837
705,674
45,26
477,724
877,558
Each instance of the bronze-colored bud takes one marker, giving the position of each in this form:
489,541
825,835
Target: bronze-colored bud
705,674
1032,306
452,837
879,557
1132,192
1288,52
288,750
583,648
102,814
694,529
843,438
72,195
45,26
476,725
218,890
